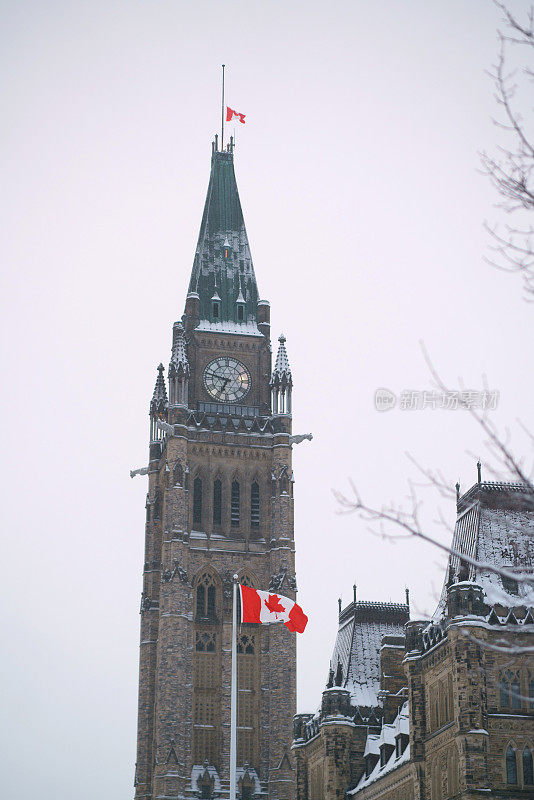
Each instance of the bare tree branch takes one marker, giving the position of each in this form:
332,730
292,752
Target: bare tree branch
511,171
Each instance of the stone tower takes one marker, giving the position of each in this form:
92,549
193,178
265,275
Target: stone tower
220,501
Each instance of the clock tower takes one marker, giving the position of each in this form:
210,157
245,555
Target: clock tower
219,502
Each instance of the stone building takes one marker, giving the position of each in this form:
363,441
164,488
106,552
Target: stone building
219,502
444,708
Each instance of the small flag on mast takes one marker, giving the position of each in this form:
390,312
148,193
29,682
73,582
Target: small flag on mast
234,115
268,607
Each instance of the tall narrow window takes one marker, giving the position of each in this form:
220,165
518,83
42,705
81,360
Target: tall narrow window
178,474
234,505
211,602
515,693
197,501
158,502
511,767
240,313
528,773
206,607
247,698
216,311
255,505
217,502
201,600
503,689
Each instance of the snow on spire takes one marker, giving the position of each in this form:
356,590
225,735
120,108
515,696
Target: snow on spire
159,398
282,371
240,298
179,362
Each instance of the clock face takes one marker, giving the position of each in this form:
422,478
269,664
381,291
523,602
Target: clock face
227,380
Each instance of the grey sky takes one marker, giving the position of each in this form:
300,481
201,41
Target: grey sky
357,170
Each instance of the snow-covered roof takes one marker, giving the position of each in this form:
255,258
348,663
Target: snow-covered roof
494,526
387,735
179,350
282,370
249,328
159,397
372,744
222,266
357,648
199,770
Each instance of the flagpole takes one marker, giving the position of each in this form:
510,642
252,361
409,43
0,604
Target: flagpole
222,111
233,699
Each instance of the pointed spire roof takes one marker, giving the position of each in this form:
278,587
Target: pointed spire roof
282,371
159,398
223,262
179,359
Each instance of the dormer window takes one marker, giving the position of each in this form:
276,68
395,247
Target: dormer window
240,313
385,753
216,309
371,760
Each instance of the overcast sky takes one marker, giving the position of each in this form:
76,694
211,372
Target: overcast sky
359,177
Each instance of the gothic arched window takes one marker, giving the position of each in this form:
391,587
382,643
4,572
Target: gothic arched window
255,505
511,766
248,647
178,474
528,772
509,689
515,692
234,505
206,606
503,692
217,502
197,501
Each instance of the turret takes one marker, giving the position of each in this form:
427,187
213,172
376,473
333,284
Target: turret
281,381
178,368
158,405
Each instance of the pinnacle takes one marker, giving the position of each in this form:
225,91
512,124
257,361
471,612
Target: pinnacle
159,396
282,370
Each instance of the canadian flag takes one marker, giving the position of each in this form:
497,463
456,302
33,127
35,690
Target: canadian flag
231,114
267,607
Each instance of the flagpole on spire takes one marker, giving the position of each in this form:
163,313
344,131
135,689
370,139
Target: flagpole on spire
222,111
233,699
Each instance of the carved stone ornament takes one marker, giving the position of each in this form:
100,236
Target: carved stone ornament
167,575
146,603
228,584
277,581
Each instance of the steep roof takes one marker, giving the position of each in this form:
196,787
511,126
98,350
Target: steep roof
387,736
159,397
494,526
357,649
282,371
222,267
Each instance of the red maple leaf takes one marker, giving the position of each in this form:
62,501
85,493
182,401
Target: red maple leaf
273,604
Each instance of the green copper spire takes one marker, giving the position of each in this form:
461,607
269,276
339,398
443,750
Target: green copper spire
223,274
